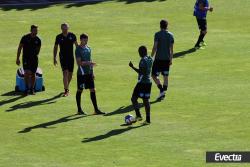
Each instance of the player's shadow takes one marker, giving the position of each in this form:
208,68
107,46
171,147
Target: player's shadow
23,5
184,53
14,94
110,134
34,103
123,109
51,123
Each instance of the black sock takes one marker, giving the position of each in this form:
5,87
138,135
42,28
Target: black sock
201,37
137,112
93,99
160,87
147,109
136,106
165,87
78,100
66,90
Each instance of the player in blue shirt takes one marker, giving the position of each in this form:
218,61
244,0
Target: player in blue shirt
200,12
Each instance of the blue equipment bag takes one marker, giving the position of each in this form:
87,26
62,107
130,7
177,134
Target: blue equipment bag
20,84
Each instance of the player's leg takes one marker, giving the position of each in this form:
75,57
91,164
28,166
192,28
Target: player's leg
66,82
33,69
27,80
165,73
33,81
80,86
71,69
134,100
146,97
147,109
202,23
90,84
204,31
155,76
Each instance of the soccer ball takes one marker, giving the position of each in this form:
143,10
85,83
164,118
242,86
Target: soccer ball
129,119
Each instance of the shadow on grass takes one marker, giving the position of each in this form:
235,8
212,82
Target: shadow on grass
123,109
14,94
38,5
34,103
184,53
110,134
51,123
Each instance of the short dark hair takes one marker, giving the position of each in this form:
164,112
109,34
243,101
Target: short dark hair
64,24
164,24
33,27
142,51
84,36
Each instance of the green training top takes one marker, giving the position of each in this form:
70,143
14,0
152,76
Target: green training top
145,66
84,53
165,39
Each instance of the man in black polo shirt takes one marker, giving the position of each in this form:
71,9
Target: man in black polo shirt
30,44
65,40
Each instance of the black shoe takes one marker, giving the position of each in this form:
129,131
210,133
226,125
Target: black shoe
26,92
80,112
32,92
98,112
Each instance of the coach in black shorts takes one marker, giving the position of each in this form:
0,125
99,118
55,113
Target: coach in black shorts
30,44
163,52
65,40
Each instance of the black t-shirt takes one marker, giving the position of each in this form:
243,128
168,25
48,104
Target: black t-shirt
31,46
66,45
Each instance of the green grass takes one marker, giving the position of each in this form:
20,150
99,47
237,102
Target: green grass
207,106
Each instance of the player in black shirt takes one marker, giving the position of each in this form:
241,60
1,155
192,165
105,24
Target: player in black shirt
65,40
30,44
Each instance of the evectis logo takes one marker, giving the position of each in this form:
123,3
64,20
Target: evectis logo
228,157
225,158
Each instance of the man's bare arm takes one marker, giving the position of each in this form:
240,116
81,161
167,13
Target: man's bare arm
55,53
19,50
202,7
84,63
171,53
154,49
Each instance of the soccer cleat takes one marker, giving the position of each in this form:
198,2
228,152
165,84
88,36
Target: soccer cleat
146,123
26,92
98,112
199,48
32,92
66,93
161,96
203,43
138,119
80,112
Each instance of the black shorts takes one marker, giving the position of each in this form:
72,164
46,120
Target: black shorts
160,66
142,90
85,82
67,64
202,23
30,65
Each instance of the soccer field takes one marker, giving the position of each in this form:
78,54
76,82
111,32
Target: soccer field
207,105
